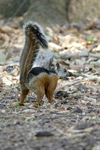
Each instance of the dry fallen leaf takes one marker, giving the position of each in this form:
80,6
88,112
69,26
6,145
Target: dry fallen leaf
14,104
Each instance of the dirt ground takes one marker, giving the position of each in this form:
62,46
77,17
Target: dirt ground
72,121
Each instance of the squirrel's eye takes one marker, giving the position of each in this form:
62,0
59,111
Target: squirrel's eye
65,70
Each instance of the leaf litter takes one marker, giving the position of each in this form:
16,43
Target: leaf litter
72,121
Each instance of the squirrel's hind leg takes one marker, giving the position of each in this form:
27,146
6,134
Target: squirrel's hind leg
24,92
49,95
50,90
39,96
38,88
51,87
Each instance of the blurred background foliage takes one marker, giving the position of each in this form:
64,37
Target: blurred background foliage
48,12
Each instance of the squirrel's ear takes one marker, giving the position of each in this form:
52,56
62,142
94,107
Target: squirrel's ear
52,68
58,66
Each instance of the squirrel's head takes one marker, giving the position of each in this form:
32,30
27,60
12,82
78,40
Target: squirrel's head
60,71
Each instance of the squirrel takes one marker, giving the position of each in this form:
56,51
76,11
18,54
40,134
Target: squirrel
38,79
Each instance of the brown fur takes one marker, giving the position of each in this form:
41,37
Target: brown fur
28,53
43,84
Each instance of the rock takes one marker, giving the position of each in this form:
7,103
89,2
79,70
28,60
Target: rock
83,126
82,88
61,94
10,8
77,110
43,133
80,10
49,12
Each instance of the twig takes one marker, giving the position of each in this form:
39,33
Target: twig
68,84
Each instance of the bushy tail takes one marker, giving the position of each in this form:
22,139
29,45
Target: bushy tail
34,37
